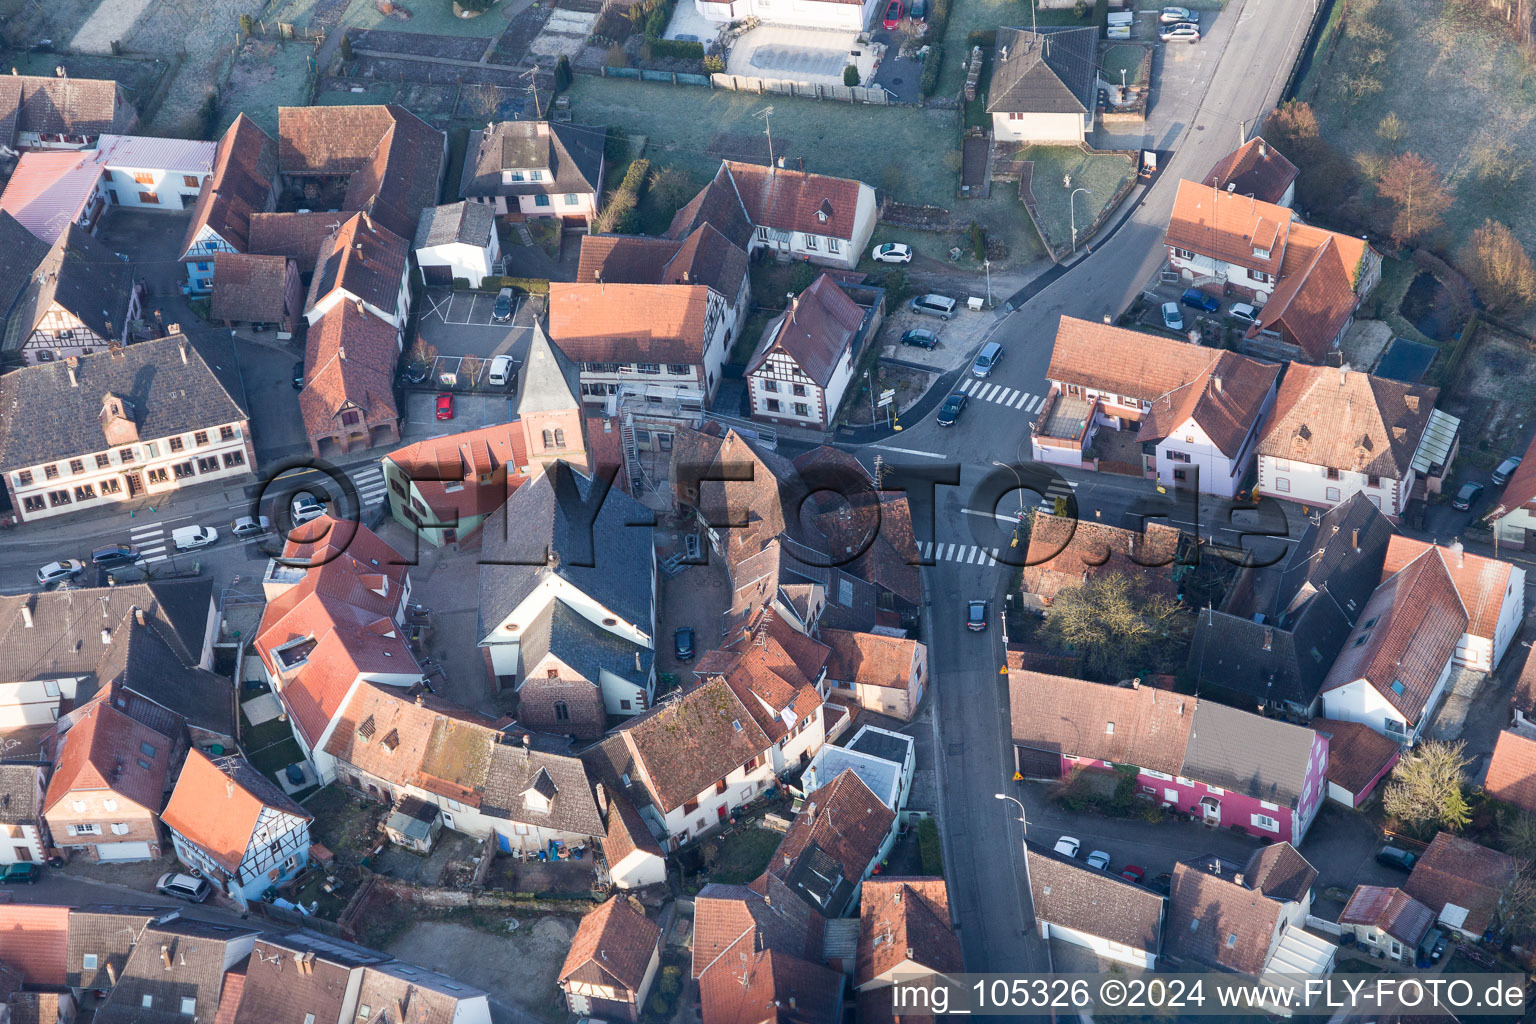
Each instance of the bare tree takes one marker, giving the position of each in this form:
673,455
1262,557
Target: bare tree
1500,268
1417,193
1391,130
1114,625
1425,790
1498,161
1519,835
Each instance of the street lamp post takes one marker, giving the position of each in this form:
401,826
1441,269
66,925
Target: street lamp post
1023,844
1072,202
987,265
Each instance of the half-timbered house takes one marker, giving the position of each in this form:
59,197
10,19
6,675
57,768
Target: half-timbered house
232,824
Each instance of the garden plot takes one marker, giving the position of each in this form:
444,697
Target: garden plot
565,33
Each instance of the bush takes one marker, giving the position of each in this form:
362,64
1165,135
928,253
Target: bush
531,285
931,66
661,1006
714,64
984,38
616,57
938,19
682,49
562,73
801,276
1080,9
635,177
247,25
671,979
656,21
346,48
850,76
928,847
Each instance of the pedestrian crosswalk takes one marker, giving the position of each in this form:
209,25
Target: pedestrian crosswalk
965,554
151,542
1057,488
1011,398
369,481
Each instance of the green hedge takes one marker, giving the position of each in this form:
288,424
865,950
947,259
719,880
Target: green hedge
683,49
531,285
635,177
938,19
931,66
928,848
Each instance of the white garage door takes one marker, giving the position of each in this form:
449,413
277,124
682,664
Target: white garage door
122,851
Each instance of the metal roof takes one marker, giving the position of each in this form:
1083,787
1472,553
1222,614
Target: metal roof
1435,446
142,152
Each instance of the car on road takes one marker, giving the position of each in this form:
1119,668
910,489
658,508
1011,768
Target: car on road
114,555
304,506
920,338
950,411
1099,859
190,538
63,569
21,873
1243,313
1398,859
1197,299
250,526
1505,470
682,643
184,887
1174,15
501,312
892,252
1467,497
976,616
987,359
941,306
893,12
445,405
1183,32
1172,318
298,375
1067,846
1133,873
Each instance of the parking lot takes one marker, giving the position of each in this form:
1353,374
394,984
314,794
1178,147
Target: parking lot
470,412
460,324
1181,73
959,337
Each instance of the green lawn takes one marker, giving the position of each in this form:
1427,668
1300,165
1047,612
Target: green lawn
1102,175
1124,57
967,16
267,75
744,854
901,149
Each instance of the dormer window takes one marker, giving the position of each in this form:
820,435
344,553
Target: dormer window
1262,254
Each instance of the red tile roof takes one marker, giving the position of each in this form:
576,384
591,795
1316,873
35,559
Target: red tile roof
844,820
1229,228
1064,553
771,667
107,750
1483,583
617,939
724,914
1347,420
1408,631
766,987
466,474
1512,770
1390,909
252,289
1313,300
1458,871
339,607
817,331
870,658
1255,168
211,808
901,920
244,169
349,364
1357,754
796,201
35,939
364,259
1213,920
298,236
649,323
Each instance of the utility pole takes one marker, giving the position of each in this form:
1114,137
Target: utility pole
533,86
765,114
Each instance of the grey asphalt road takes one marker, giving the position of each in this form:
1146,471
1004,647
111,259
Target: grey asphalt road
981,837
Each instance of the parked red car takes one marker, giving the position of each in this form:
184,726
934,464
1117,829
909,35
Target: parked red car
893,11
445,406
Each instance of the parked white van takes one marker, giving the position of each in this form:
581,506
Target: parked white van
189,538
501,372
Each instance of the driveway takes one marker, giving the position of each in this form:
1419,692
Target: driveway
698,597
959,337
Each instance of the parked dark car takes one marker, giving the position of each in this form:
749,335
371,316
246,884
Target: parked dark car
682,642
24,873
1163,883
950,411
1467,497
114,555
298,375
920,338
1197,299
1392,857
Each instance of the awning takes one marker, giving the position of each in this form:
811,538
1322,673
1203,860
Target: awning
1435,446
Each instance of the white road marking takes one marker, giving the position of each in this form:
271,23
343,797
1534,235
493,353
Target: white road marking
146,552
910,451
1035,403
146,531
969,383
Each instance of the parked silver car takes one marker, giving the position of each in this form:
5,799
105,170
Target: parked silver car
1174,15
1183,32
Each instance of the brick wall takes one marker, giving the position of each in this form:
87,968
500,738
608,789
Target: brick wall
583,706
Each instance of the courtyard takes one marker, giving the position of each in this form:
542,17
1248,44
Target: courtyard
817,56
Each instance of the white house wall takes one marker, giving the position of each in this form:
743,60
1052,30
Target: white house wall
1103,947
1030,127
802,13
637,870
1359,701
467,261
1309,484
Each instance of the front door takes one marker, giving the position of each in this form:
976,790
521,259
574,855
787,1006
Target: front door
447,820
722,811
135,483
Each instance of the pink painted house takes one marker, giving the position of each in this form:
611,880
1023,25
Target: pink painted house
1228,768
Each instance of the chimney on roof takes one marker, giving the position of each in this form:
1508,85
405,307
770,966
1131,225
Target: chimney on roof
1136,683
165,955
367,222
138,615
184,347
73,365
1263,149
341,352
637,661
26,614
1343,374
1269,639
527,741
1216,383
111,973
229,787
106,636
1354,538
1238,878
421,699
791,1002
359,307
